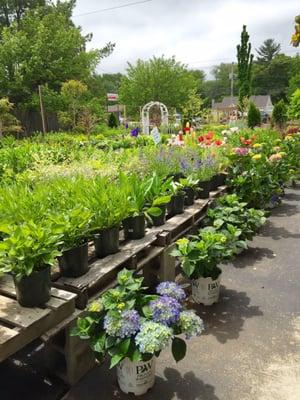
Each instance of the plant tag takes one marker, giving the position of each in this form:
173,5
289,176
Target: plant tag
155,135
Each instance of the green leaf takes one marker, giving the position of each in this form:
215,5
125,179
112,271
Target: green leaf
115,360
178,348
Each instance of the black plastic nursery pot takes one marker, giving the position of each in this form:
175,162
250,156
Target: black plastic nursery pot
74,262
214,182
222,179
106,242
189,196
204,187
34,290
161,219
176,205
134,227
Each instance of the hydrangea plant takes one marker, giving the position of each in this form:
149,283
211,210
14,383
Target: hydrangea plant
128,322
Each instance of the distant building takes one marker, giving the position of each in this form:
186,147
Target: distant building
117,109
229,104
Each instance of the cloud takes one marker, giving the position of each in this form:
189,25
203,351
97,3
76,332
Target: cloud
200,33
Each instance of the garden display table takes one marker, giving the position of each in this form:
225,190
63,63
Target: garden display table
20,325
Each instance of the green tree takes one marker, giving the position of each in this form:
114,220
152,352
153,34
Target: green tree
8,123
112,120
245,61
46,48
13,10
192,107
294,107
279,115
199,77
267,51
158,79
254,117
273,78
72,93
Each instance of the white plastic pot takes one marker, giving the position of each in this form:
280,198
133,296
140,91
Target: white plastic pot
206,290
136,377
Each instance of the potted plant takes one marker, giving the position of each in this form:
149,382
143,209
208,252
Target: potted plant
230,210
139,210
176,205
200,258
204,174
109,206
132,327
28,251
158,197
74,225
189,185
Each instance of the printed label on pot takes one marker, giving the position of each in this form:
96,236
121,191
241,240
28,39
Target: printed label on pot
206,290
136,377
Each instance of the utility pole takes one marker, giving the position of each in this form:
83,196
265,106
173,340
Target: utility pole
231,83
42,110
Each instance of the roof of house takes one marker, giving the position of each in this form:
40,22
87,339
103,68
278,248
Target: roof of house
261,101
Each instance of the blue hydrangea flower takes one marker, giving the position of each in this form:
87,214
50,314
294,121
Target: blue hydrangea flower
153,337
171,289
190,324
123,325
165,310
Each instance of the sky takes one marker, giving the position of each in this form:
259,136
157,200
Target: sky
199,33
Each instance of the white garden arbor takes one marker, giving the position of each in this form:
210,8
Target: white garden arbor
146,111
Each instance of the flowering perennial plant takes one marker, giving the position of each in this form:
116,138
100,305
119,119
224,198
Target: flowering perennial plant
171,289
126,322
191,324
165,310
153,337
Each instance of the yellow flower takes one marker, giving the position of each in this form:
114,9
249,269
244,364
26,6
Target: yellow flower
288,137
121,306
257,146
256,157
96,306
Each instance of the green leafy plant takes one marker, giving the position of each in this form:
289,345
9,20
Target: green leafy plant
29,247
230,211
127,322
73,226
200,256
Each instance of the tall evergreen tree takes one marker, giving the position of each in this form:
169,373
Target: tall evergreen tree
245,62
267,51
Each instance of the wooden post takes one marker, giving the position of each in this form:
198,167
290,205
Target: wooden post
167,265
42,110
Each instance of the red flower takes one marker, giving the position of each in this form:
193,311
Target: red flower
200,139
209,135
218,142
247,142
208,142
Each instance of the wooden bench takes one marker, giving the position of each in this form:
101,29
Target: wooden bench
20,325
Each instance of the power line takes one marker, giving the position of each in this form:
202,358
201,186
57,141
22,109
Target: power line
112,8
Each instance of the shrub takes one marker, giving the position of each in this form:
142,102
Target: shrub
294,108
279,115
112,120
254,118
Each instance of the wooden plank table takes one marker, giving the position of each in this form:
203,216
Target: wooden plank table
21,325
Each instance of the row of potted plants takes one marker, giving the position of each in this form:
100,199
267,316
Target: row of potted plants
58,220
131,326
230,225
